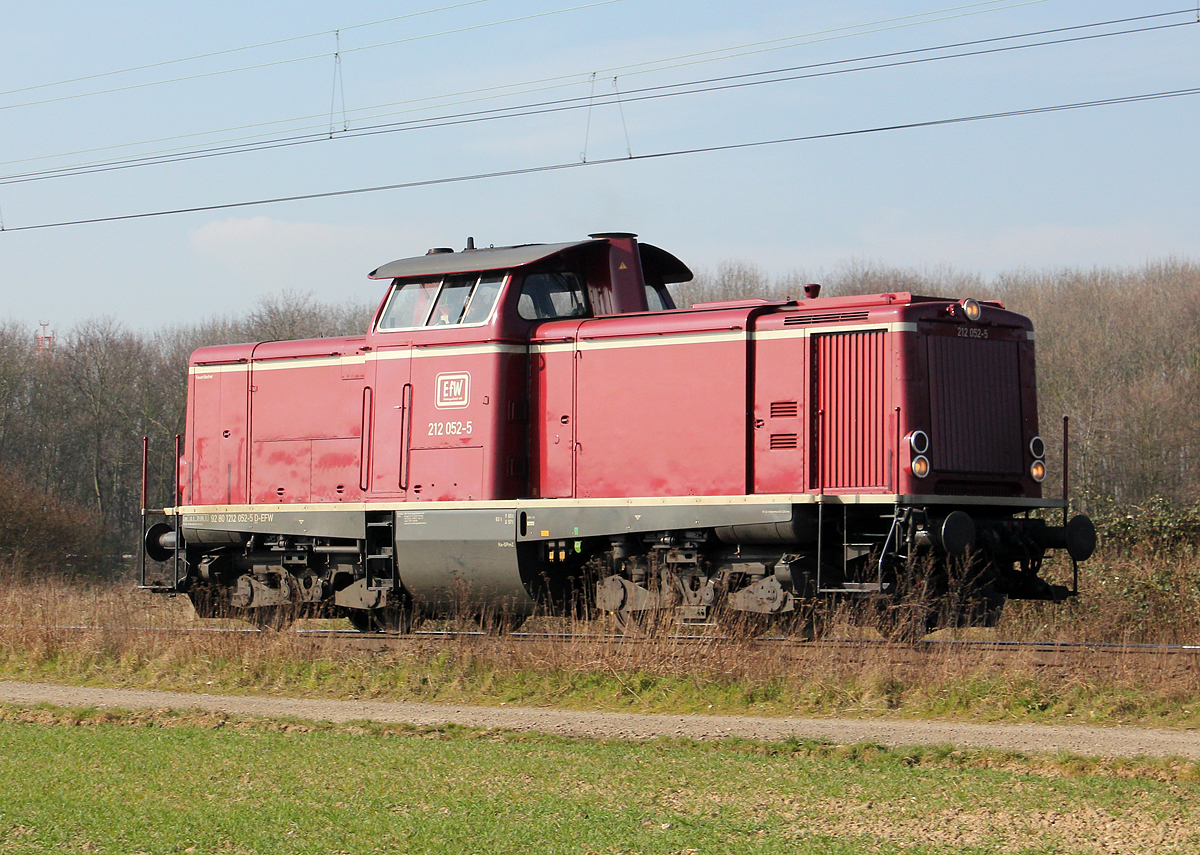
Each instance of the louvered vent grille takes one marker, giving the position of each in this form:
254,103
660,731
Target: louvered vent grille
784,440
785,409
849,387
975,402
826,318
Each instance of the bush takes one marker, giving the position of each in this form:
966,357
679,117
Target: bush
42,533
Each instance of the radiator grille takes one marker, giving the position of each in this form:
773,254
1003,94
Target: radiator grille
850,385
975,405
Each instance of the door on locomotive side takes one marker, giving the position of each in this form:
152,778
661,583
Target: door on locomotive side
387,422
851,416
216,436
556,301
780,418
387,399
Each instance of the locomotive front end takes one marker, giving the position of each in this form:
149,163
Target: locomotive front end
973,464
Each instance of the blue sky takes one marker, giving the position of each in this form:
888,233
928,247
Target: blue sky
1111,185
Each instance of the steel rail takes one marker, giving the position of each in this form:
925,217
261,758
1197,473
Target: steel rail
1110,647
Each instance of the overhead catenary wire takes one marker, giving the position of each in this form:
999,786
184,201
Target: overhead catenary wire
649,66
325,55
708,85
574,164
226,51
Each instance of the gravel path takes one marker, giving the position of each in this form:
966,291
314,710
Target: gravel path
1092,741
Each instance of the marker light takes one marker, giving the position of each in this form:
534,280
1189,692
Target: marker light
1037,447
1038,470
920,466
972,310
918,441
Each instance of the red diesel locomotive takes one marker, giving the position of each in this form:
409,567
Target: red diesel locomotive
540,425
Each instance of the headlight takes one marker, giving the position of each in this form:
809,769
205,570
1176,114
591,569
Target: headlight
920,466
1038,470
972,310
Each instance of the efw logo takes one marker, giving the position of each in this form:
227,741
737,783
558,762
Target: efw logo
452,390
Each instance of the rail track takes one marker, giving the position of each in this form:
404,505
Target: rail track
1091,655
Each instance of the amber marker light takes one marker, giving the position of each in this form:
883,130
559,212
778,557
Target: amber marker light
1038,470
972,310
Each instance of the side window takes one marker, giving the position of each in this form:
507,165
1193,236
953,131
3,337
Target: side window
464,298
551,295
408,306
452,300
483,298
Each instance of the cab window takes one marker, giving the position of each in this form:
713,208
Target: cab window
464,298
552,295
483,298
408,305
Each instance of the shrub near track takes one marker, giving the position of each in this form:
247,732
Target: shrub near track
167,782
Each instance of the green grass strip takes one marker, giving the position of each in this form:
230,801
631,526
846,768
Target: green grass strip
159,782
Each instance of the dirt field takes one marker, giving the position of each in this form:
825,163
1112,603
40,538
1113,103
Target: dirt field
1083,740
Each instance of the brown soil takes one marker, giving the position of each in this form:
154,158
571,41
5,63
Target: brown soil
1083,740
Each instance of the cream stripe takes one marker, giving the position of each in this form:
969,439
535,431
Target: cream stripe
637,501
584,343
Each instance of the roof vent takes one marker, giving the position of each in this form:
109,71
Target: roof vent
439,250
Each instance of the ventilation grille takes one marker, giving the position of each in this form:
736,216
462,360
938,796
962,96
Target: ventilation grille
826,318
975,404
785,409
784,440
850,384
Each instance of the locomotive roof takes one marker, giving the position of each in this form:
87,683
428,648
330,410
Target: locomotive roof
655,261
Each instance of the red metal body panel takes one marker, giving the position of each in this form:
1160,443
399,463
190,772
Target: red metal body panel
647,421
217,437
306,421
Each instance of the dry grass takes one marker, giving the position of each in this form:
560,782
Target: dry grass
133,639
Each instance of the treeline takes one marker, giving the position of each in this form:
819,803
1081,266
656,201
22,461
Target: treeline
1118,352
72,415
